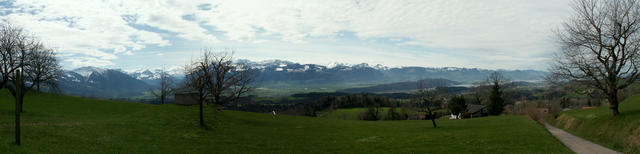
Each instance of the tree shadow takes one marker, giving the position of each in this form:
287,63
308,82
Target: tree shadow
206,127
630,113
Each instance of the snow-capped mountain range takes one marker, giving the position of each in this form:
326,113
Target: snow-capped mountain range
152,76
274,74
274,71
100,82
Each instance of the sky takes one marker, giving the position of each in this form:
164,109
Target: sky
134,34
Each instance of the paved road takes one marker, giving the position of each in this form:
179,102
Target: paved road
578,144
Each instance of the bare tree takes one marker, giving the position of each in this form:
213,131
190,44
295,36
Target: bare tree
43,68
23,65
600,45
8,41
428,98
15,48
215,75
229,81
9,37
166,87
196,79
478,91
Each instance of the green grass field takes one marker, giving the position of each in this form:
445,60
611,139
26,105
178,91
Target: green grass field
349,113
64,124
353,113
621,133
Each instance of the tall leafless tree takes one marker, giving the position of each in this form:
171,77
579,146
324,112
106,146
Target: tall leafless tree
14,57
216,75
600,45
43,68
229,81
428,98
9,37
22,65
166,87
196,80
479,91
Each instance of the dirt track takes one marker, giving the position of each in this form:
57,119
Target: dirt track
577,144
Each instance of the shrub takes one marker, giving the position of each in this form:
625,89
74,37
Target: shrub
457,105
392,114
535,113
371,114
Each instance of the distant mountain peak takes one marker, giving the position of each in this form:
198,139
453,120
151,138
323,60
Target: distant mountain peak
88,70
381,67
337,64
361,65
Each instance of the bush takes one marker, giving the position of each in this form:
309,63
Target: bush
392,114
371,114
457,105
465,115
535,113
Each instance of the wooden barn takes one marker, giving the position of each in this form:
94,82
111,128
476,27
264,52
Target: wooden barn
186,96
477,110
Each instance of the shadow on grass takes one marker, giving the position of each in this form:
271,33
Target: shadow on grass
630,113
206,127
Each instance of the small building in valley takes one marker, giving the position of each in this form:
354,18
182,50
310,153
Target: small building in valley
186,96
477,110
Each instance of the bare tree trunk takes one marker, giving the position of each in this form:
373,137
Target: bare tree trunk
201,117
217,103
18,106
613,103
18,110
433,119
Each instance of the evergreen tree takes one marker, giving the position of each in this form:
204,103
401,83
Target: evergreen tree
496,102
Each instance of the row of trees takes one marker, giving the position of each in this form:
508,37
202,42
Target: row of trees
457,104
25,63
348,101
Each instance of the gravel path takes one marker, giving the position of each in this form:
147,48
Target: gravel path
578,144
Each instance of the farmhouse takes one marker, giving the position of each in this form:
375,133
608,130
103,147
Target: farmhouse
477,110
186,96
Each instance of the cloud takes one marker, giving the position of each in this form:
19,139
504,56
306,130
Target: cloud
490,33
89,61
98,30
514,28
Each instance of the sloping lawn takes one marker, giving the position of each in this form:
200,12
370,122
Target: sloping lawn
64,124
621,133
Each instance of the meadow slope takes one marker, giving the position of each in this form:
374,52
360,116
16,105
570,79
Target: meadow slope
621,133
64,124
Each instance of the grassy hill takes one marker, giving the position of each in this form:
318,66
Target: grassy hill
621,133
64,124
354,113
348,113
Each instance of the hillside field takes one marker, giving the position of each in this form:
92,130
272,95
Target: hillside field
621,133
64,124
